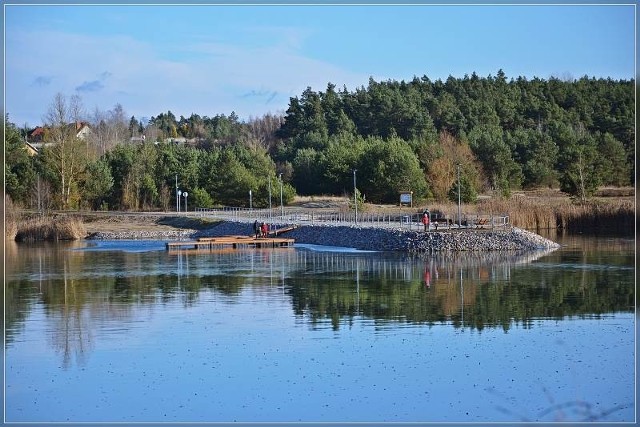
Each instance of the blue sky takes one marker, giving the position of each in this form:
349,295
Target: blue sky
213,59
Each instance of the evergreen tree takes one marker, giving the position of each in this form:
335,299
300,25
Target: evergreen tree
20,172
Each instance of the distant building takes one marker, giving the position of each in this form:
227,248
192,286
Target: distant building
30,148
82,129
36,139
37,135
137,138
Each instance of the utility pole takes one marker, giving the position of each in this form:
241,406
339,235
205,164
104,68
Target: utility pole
269,196
281,203
459,215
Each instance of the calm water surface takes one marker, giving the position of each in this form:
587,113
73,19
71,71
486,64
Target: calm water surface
122,331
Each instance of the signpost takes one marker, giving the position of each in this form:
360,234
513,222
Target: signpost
406,198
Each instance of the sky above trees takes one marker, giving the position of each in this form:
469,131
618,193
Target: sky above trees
213,59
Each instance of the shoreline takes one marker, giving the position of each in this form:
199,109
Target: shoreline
363,238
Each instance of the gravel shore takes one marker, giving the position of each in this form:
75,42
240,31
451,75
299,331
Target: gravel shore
402,240
364,238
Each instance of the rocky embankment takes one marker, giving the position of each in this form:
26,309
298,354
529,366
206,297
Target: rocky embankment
400,240
364,238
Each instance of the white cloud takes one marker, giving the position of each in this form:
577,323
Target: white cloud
206,78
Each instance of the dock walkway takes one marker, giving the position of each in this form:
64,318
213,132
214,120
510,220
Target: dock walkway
235,242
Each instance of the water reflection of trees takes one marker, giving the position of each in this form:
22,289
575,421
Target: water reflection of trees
476,290
80,292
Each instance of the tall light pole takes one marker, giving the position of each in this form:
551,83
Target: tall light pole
269,196
281,203
459,215
355,197
186,208
177,196
250,201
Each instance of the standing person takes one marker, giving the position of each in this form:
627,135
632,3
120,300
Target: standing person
425,221
256,228
265,229
427,278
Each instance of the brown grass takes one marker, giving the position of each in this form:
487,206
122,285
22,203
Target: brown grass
10,220
532,214
547,210
50,228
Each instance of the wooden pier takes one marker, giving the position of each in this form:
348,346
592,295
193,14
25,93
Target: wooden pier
235,242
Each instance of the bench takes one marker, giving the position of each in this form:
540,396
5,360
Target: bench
480,223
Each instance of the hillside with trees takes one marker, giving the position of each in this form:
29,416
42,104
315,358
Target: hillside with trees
501,135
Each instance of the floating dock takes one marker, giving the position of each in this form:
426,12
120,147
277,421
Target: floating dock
235,242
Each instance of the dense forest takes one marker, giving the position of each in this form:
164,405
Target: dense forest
498,134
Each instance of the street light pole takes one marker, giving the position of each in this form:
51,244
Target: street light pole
355,198
281,203
269,196
177,195
459,215
250,202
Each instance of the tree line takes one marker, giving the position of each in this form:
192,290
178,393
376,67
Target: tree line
486,134
504,135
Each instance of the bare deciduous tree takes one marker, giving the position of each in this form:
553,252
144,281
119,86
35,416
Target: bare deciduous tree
109,128
442,172
263,130
66,154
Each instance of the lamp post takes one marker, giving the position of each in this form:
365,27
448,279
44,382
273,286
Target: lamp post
355,197
459,215
185,194
281,203
250,202
269,196
179,194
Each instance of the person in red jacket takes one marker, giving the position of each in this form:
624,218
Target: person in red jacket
425,221
265,229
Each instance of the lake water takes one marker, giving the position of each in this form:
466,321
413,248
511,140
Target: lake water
123,331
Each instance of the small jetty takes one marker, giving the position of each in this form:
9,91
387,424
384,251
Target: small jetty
235,242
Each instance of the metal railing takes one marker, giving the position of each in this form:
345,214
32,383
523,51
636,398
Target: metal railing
406,220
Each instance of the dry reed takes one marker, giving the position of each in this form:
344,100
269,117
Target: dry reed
564,215
50,228
10,221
